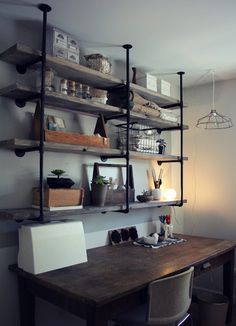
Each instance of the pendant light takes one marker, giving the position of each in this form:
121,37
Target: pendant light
214,120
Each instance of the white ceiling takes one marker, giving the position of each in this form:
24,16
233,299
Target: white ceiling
167,36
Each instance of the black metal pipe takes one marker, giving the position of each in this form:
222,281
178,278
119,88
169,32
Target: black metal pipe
169,161
127,47
114,116
181,73
168,106
45,9
172,128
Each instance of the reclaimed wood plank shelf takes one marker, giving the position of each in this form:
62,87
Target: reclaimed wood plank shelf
21,214
16,143
152,96
20,54
63,102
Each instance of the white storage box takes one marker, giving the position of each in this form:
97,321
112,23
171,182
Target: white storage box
148,81
72,56
164,87
59,38
62,44
59,52
154,84
72,44
45,247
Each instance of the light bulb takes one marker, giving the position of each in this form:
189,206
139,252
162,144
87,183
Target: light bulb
169,194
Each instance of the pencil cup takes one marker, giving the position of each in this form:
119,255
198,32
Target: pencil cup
157,194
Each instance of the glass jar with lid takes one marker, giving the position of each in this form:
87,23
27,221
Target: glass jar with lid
71,88
64,86
49,79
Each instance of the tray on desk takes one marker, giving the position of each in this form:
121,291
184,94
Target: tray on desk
160,244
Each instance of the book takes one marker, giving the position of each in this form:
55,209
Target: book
59,208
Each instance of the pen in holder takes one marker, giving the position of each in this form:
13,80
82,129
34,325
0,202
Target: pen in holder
157,192
166,226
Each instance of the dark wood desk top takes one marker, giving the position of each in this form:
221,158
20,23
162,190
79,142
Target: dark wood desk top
116,271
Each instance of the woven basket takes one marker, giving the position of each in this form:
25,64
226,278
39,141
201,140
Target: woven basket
98,62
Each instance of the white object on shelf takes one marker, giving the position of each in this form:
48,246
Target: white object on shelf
72,56
165,87
151,82
148,81
62,44
169,115
169,194
45,247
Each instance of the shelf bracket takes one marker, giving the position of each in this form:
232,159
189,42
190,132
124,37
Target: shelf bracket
180,204
21,69
169,161
21,152
104,158
22,102
172,128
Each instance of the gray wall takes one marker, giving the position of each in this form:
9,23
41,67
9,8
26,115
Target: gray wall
210,172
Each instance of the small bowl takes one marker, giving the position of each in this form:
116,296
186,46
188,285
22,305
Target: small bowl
144,198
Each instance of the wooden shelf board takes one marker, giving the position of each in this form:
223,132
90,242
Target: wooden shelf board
153,96
30,213
21,54
85,75
70,103
16,143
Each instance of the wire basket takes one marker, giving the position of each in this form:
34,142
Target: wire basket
141,139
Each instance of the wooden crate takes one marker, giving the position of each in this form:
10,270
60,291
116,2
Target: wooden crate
59,197
75,138
118,196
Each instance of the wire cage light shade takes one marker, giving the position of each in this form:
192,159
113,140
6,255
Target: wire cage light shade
214,120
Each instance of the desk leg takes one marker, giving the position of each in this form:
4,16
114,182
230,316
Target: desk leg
228,284
96,319
27,304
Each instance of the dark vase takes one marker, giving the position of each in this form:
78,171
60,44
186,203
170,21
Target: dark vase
98,194
60,183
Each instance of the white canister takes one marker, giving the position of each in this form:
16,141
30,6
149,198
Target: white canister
157,193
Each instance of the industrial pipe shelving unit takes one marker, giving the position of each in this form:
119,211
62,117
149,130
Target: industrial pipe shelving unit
40,98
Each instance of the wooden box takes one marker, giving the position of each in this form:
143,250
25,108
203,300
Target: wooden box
75,138
59,197
99,139
116,196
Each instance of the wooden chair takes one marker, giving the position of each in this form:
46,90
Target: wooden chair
168,302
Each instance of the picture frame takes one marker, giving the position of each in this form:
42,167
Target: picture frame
55,123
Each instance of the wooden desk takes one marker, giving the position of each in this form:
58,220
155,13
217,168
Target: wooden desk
115,278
